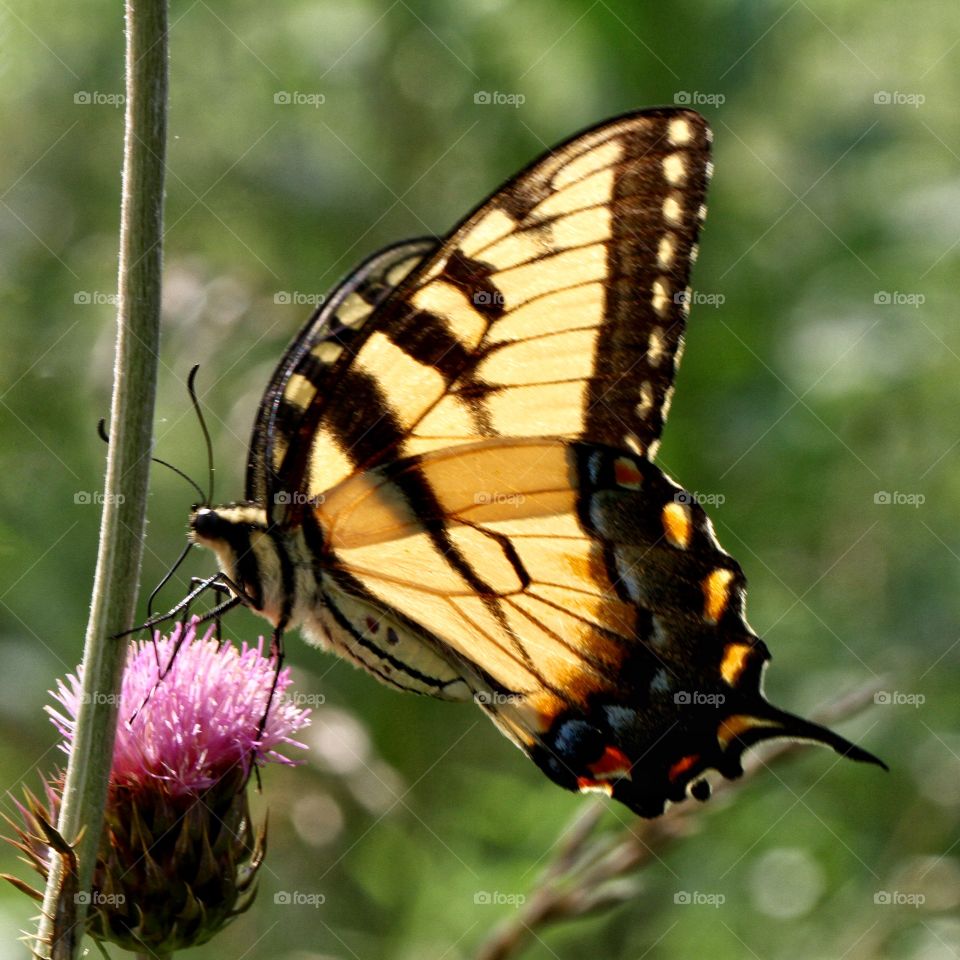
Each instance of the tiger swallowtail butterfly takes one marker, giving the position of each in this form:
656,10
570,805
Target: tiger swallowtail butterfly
451,480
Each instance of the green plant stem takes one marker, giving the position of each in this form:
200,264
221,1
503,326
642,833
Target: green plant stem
125,488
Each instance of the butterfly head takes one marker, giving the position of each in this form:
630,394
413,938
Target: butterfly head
247,554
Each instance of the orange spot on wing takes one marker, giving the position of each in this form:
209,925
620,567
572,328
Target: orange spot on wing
540,709
737,724
716,593
677,524
734,660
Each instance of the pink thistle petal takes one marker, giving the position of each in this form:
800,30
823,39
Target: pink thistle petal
193,727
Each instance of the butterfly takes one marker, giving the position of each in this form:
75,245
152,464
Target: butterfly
451,479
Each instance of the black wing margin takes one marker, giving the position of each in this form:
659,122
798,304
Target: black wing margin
336,322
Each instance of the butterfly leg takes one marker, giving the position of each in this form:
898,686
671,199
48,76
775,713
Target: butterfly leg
221,590
276,653
202,585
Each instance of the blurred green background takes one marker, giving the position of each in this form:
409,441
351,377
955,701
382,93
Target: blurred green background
821,372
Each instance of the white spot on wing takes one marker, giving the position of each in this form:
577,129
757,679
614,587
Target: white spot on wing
299,391
353,311
675,169
667,400
632,443
665,251
645,404
655,347
327,351
672,210
659,637
660,682
680,132
660,298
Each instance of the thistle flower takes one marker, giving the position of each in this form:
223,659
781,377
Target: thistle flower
178,856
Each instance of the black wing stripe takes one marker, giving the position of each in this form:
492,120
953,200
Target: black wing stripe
472,276
410,480
380,653
427,338
364,428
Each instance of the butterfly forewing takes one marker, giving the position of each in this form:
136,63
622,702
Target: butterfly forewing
555,309
286,419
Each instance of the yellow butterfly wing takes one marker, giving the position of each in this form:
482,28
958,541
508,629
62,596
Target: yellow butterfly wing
464,438
556,309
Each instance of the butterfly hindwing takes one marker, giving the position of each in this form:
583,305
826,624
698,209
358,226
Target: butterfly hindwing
582,596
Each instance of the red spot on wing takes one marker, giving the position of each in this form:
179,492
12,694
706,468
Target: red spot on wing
626,474
682,766
586,785
612,764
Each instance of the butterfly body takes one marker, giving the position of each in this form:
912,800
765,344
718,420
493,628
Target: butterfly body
451,479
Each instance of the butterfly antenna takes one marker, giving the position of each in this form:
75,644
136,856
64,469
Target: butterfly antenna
105,437
191,387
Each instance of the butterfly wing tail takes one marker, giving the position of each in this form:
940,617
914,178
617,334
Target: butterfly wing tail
779,724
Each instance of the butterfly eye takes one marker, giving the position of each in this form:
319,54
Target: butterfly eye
208,524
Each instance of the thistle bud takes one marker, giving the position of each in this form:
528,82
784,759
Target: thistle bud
178,855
